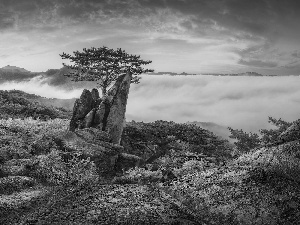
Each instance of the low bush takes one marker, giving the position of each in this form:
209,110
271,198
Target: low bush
52,169
10,184
138,175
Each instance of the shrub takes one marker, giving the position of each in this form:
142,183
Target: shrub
245,141
81,171
10,184
54,170
22,138
138,175
271,136
191,166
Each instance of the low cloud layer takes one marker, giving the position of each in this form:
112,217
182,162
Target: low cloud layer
39,85
240,102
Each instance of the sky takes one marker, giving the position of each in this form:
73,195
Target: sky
193,36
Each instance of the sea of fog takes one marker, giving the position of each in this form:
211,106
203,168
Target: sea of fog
240,102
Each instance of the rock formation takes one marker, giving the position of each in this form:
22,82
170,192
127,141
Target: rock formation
96,128
106,114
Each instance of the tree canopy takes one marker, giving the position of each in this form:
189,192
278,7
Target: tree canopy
104,65
247,141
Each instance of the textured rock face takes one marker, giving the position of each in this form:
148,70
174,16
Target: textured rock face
116,116
89,118
81,108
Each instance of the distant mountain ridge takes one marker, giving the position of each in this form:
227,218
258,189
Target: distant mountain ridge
255,74
14,69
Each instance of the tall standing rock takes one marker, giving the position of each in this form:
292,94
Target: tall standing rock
115,120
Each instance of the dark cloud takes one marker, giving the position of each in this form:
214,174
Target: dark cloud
265,30
296,54
257,63
257,17
6,20
294,65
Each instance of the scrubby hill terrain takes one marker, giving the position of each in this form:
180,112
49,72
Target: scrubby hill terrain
187,174
18,104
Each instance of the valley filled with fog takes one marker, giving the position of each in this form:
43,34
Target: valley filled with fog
240,102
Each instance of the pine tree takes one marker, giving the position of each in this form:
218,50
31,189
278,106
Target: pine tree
104,66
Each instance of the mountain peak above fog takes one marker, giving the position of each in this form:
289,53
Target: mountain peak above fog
14,69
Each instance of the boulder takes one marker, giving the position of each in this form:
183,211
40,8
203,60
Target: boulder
82,107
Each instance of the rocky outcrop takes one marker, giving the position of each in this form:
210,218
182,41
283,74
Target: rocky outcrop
96,128
106,114
91,143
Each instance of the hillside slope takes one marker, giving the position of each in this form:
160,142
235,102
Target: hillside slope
18,104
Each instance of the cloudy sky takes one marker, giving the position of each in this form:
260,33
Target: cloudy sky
195,36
